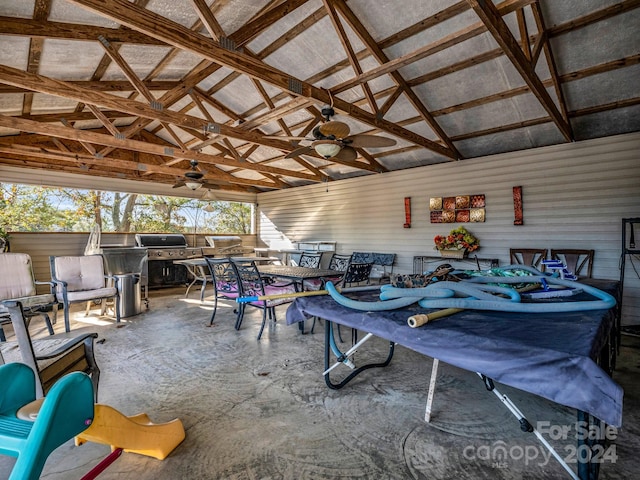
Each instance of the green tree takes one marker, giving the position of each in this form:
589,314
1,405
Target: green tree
30,209
160,214
122,211
231,217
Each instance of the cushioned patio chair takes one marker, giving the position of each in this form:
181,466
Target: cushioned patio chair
251,284
51,357
17,283
66,411
82,279
224,280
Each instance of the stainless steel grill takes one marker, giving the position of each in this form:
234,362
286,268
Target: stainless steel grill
162,250
224,245
170,246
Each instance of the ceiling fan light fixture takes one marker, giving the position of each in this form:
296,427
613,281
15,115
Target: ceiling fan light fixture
327,149
192,185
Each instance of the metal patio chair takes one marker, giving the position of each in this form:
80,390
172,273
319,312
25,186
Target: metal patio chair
310,260
252,284
338,262
225,282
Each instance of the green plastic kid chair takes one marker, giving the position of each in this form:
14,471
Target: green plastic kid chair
66,411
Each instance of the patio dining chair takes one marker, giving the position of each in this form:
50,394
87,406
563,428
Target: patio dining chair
528,256
224,280
338,262
81,279
17,283
251,284
356,274
310,260
579,262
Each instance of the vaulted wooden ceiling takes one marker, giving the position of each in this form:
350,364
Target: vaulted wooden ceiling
138,90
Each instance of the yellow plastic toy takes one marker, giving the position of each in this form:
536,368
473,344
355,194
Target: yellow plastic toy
136,434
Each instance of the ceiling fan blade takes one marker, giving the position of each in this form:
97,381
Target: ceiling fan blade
346,154
334,129
299,151
369,141
178,184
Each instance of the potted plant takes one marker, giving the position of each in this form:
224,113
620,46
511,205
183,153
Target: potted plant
457,244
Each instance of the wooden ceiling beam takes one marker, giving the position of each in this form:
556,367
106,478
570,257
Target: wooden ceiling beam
104,120
594,17
40,12
208,19
263,93
43,29
257,25
105,85
542,44
493,21
181,37
126,69
434,47
330,7
127,170
107,140
39,83
418,54
381,57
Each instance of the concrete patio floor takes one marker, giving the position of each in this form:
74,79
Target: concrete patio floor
261,410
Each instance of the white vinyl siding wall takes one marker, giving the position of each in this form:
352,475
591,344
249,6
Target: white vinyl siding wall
575,196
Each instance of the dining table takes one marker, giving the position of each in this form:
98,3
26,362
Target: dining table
297,274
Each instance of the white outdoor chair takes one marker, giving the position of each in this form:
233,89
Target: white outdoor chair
82,279
17,283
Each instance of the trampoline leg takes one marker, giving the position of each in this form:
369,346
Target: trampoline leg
432,390
525,426
345,357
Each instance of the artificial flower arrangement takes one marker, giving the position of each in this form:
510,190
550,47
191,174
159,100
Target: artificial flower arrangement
458,239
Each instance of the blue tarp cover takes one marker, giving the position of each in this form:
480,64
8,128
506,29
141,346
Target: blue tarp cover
551,354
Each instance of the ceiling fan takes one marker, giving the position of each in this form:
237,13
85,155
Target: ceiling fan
332,140
192,178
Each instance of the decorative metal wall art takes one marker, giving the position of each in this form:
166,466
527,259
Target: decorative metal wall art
460,209
407,212
518,215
